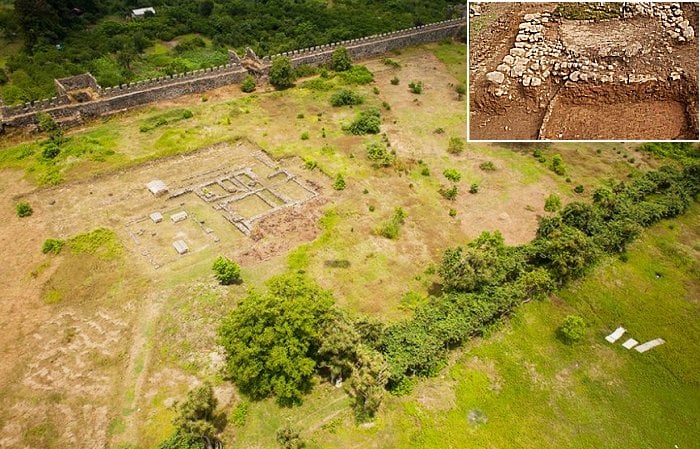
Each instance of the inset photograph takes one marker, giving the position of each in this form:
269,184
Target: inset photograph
583,71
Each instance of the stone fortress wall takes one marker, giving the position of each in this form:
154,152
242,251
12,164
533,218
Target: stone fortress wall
81,98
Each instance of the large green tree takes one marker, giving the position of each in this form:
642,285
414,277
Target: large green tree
483,262
340,60
368,382
272,339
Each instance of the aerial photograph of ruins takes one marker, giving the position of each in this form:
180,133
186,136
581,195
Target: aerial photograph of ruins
583,71
319,224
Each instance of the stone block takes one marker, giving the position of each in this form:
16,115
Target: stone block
178,217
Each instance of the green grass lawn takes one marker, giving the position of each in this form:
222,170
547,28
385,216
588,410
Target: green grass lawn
526,389
453,56
521,387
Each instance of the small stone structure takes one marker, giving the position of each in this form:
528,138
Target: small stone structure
644,347
141,12
156,217
178,217
180,246
157,187
77,89
114,99
630,343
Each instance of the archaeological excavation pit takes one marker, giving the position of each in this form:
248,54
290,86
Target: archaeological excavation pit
586,72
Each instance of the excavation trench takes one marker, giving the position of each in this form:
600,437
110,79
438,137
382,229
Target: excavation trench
662,110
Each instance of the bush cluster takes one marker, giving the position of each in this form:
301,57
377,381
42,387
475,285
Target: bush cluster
226,271
391,228
487,279
366,122
379,154
346,97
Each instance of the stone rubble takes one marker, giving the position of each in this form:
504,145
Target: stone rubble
533,59
670,15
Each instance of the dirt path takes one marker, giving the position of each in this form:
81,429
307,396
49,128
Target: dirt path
21,309
137,371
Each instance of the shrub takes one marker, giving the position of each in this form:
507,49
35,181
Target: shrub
485,261
189,44
416,87
23,209
375,90
391,63
453,212
51,150
386,105
281,73
340,60
346,97
578,189
539,156
474,188
552,203
358,74
305,135
379,154
305,70
461,90
48,125
288,438
487,166
390,229
452,174
572,329
226,271
449,194
395,81
455,145
53,246
318,84
239,414
186,114
557,165
366,122
310,164
339,183
425,171
248,84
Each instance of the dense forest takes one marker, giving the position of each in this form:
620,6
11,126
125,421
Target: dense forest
55,38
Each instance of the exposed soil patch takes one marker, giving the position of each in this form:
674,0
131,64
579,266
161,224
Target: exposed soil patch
522,61
662,119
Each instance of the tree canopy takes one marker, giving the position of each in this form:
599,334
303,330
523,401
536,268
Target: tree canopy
272,339
68,37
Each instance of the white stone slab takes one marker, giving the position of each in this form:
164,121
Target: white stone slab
630,343
180,246
157,217
650,344
178,216
157,187
612,338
